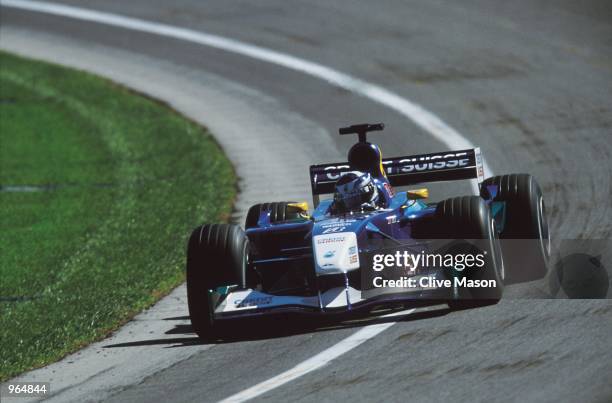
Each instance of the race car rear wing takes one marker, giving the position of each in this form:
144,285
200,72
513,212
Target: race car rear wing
406,171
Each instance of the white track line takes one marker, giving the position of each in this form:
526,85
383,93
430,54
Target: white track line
312,363
416,113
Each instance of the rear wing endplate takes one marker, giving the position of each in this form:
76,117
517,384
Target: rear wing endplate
407,170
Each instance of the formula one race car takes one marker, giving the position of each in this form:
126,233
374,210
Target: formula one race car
369,247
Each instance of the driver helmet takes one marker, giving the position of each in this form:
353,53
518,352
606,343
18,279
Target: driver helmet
355,191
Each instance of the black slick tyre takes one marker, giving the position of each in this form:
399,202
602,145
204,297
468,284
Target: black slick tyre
217,255
525,236
467,221
279,212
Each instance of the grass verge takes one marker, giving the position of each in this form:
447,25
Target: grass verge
100,188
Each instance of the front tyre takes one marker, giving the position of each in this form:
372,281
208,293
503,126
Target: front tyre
526,241
217,255
468,221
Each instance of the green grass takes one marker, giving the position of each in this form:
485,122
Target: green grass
121,180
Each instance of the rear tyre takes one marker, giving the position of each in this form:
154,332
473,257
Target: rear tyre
279,212
528,254
217,255
468,218
252,217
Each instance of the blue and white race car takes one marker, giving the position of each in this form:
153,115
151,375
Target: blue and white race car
369,245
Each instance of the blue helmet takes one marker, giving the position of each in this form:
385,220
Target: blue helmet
355,191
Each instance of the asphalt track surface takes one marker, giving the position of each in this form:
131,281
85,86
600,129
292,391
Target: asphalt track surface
529,82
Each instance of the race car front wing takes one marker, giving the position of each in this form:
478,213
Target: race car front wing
231,302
